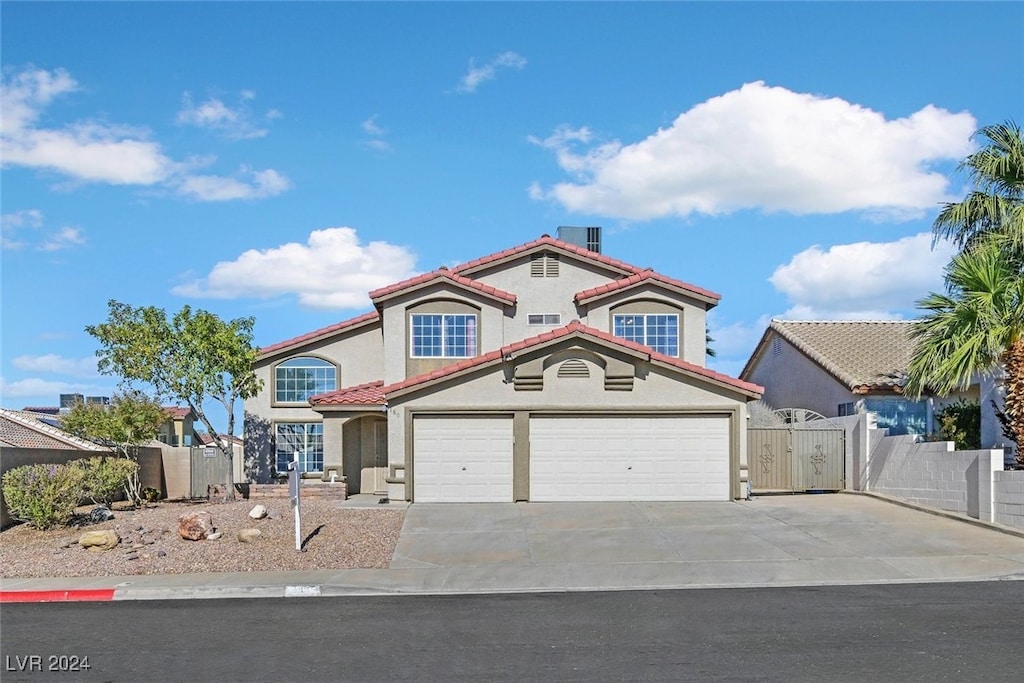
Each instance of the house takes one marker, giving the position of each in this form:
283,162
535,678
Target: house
179,428
28,429
545,372
844,367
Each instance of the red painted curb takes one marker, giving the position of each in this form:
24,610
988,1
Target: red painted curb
87,595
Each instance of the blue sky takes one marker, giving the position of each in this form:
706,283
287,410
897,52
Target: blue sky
279,160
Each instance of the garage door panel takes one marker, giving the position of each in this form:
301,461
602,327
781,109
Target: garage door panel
629,458
462,459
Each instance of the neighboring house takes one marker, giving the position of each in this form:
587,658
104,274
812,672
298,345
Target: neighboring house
547,371
839,368
179,429
30,429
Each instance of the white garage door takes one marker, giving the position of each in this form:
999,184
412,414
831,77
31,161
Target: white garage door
462,459
629,458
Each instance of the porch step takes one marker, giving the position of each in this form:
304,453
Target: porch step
310,489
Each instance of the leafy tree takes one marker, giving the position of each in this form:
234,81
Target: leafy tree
129,421
960,422
192,357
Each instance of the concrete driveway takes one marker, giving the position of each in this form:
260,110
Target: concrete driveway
784,540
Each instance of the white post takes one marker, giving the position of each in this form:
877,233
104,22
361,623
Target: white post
295,503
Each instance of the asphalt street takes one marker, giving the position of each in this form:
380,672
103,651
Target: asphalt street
906,632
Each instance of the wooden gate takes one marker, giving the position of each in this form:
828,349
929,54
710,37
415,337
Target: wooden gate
796,459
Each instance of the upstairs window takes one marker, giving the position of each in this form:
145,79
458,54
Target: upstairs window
658,331
443,336
544,319
296,379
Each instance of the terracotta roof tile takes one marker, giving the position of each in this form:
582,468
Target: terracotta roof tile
438,275
365,318
177,413
26,430
639,278
862,354
546,240
371,393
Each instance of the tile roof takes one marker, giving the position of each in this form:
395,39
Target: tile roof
351,323
439,275
862,354
177,413
646,276
545,241
22,429
377,393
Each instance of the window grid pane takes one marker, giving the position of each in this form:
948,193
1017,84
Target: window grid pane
444,336
297,379
658,331
305,438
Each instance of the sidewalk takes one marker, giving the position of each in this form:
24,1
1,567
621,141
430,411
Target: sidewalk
533,547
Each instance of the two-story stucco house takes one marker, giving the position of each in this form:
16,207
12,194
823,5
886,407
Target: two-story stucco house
545,372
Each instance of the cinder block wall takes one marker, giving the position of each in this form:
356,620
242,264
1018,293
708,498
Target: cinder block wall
1008,489
927,473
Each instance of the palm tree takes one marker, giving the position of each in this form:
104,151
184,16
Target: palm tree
995,205
978,324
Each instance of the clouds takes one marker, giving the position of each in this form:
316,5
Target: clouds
59,365
247,184
862,280
14,235
234,123
93,151
34,387
375,135
333,270
476,75
77,369
765,148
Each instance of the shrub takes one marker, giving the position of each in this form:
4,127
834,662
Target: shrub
960,422
104,477
45,496
151,494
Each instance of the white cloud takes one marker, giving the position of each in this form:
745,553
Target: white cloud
735,338
43,240
247,184
234,123
47,390
92,151
376,142
57,365
863,280
486,72
766,148
332,270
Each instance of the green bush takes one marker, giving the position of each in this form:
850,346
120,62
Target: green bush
104,477
960,422
150,494
45,496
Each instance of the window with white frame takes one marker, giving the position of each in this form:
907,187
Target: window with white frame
449,335
544,319
660,331
296,379
304,438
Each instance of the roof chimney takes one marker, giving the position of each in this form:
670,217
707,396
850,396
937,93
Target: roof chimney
587,237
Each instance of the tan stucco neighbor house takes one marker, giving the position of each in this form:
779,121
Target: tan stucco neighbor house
844,367
544,372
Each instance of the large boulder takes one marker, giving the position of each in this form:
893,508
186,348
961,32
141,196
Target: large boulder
97,540
195,526
258,512
249,535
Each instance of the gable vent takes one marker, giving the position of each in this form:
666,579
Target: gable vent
573,368
544,265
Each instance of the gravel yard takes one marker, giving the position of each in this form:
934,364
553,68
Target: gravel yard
334,537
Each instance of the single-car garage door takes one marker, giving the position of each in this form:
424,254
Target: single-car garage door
462,459
629,458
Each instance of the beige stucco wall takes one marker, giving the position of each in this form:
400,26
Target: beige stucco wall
538,295
791,380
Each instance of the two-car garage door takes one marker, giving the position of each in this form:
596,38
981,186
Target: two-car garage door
573,458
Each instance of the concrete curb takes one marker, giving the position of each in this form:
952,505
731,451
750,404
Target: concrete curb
82,595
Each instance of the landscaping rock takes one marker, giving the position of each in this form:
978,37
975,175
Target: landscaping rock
99,540
249,535
258,512
100,513
195,526
215,536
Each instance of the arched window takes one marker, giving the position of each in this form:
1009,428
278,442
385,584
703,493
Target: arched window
296,379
